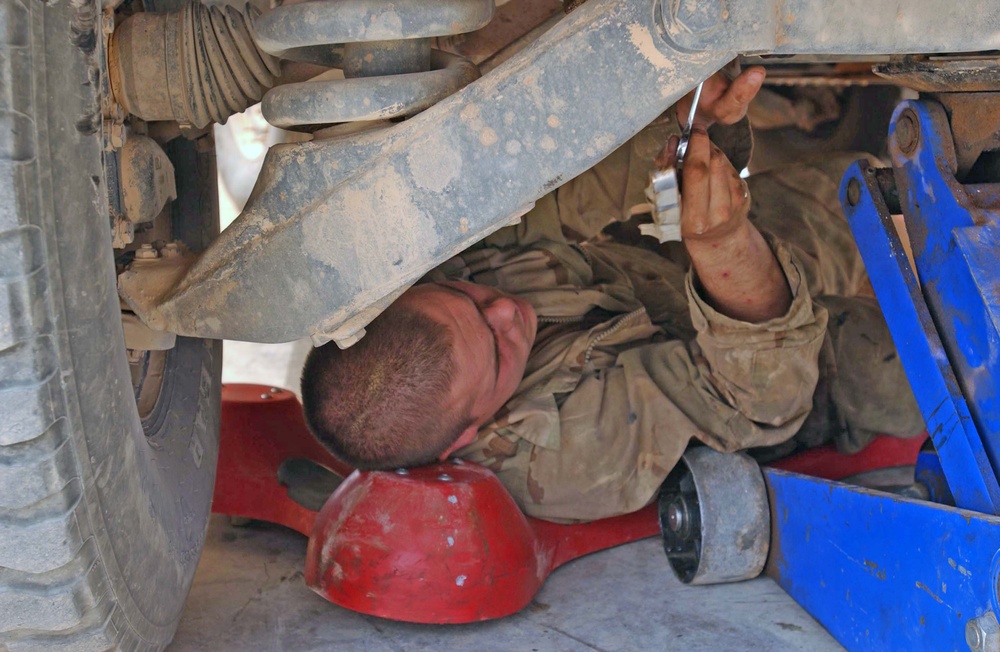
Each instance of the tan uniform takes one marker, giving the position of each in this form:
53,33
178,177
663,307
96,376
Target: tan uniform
631,364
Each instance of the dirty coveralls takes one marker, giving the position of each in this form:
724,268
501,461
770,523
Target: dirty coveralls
631,364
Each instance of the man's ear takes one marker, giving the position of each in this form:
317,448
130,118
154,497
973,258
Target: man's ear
467,437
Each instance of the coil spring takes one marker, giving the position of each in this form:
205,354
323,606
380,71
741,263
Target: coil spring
384,48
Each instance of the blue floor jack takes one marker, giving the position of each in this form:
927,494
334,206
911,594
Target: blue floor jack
882,571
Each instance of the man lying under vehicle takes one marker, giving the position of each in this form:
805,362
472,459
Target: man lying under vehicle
579,367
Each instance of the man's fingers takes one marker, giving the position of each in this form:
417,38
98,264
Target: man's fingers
733,104
668,155
720,205
740,192
695,179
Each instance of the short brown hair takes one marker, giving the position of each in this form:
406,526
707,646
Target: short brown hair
373,405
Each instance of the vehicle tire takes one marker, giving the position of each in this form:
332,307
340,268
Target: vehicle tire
102,513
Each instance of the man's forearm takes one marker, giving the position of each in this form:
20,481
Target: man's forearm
739,276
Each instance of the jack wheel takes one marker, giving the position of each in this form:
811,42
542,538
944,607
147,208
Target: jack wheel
714,517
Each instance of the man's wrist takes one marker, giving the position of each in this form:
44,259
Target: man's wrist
739,276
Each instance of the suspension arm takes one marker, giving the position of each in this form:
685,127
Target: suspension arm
335,230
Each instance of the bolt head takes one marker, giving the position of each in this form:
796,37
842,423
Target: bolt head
146,252
975,637
696,16
123,233
678,516
907,132
444,477
114,135
171,249
675,517
265,396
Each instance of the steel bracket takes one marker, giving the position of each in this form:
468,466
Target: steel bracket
882,571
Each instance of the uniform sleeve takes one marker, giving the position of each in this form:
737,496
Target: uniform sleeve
624,427
742,385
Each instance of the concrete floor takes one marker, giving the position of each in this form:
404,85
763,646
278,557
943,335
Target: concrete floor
249,593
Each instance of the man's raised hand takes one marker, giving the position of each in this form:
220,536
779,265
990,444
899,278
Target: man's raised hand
735,266
714,199
722,100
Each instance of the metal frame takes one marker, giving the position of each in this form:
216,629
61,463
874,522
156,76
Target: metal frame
880,571
946,326
337,229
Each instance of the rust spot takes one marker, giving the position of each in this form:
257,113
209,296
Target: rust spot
488,137
923,587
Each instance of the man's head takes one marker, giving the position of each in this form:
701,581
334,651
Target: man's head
432,369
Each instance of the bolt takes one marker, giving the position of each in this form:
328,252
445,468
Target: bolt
907,132
983,633
697,17
265,396
114,135
402,472
276,390
146,252
677,515
123,232
444,477
975,637
171,249
456,461
853,192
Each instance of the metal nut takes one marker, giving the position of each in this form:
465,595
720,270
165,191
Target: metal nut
171,249
122,233
696,17
146,252
108,23
114,135
983,633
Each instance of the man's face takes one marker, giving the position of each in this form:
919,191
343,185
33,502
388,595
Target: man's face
492,332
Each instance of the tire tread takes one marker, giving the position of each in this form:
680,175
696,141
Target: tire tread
51,581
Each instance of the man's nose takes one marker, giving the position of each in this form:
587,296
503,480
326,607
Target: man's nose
501,313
